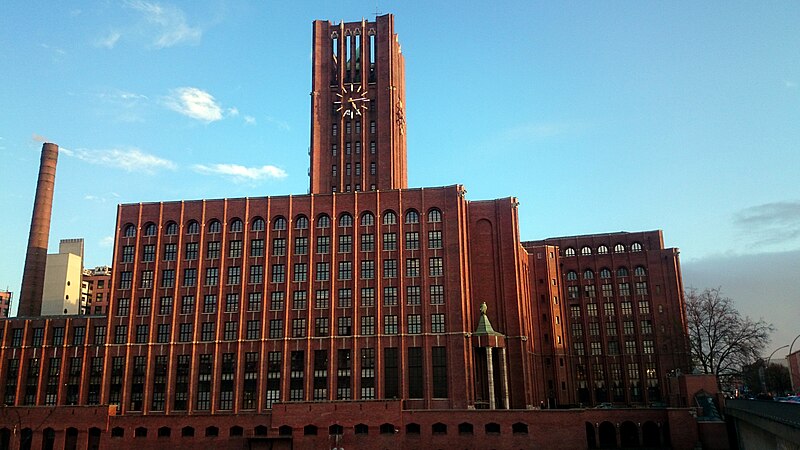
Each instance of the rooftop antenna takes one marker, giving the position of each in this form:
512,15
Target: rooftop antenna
377,11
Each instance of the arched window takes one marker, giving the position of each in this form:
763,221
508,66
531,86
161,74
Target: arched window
150,229
519,428
323,221
586,251
187,432
260,430
367,219
236,226
171,229
602,250
140,432
388,428
636,247
116,432
212,431
301,222
361,429
605,273
310,430
465,428
622,272
192,227
236,431
569,252
335,429
588,274
413,428
164,432
572,275
434,216
214,226
284,430
389,218
412,216
279,223
640,271
130,230
258,224
345,220
439,428
492,428
619,248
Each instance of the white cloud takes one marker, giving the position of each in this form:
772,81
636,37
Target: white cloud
250,120
129,160
109,41
167,23
107,241
233,112
241,173
195,103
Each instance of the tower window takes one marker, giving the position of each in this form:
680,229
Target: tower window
371,50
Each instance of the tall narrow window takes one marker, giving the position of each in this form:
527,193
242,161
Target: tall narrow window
439,363
320,374
347,58
415,372
371,50
343,374
391,375
367,373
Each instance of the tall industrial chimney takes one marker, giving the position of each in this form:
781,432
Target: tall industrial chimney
30,300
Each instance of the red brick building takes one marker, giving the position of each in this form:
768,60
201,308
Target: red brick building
363,314
5,303
621,313
97,284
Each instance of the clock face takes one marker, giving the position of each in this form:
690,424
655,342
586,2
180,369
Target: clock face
351,101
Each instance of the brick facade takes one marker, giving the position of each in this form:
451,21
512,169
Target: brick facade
368,316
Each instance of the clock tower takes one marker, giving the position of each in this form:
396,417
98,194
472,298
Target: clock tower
358,140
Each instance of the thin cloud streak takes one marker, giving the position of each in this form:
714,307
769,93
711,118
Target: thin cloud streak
769,223
168,22
109,41
240,173
129,160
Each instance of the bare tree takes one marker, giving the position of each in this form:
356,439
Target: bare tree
721,340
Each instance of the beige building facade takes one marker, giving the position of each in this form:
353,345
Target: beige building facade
63,279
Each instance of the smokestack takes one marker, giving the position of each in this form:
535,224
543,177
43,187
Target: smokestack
30,299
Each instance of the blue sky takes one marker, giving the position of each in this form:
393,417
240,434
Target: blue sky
598,116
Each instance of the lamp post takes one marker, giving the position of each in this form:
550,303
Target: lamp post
762,369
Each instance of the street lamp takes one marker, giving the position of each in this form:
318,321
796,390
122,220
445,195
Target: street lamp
762,369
